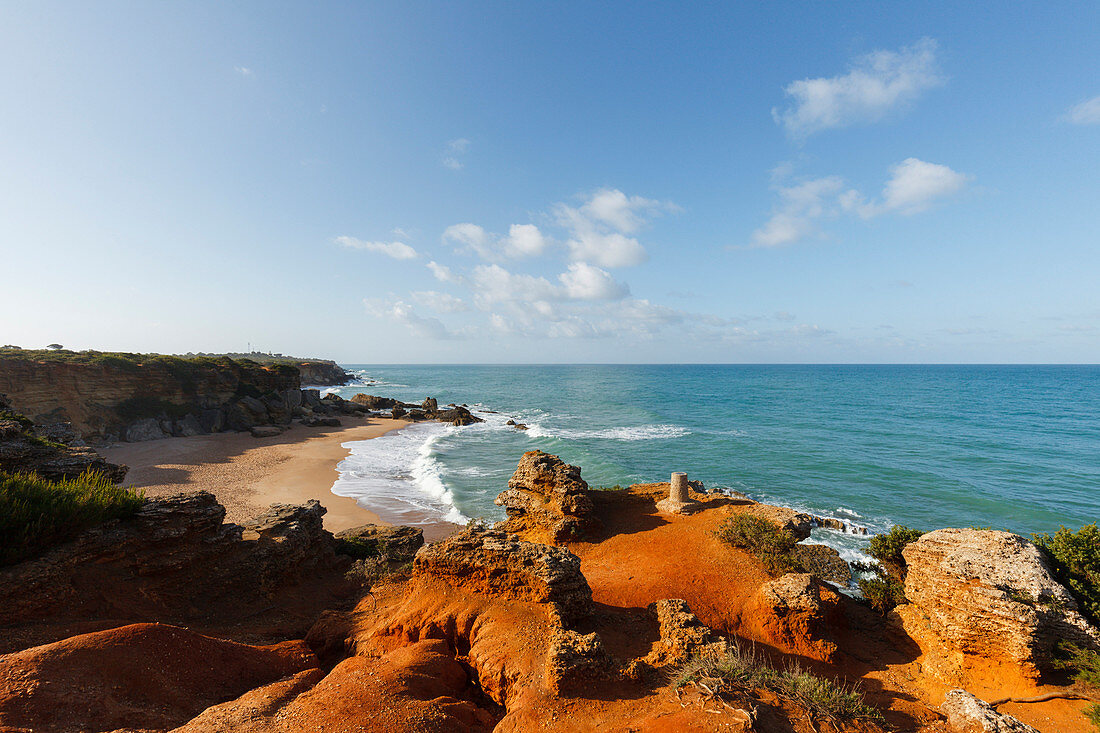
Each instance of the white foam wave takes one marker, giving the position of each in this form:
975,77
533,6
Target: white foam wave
398,476
629,434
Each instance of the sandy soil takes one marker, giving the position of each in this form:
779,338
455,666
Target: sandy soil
247,474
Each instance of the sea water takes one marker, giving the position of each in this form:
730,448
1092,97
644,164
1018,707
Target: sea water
1008,447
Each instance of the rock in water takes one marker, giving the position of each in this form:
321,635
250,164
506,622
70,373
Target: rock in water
967,714
982,595
547,500
493,562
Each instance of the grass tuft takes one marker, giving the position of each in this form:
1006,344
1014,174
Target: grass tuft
36,514
742,668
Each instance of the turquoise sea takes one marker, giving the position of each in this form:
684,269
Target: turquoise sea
1014,447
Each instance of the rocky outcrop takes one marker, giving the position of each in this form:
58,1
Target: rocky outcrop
823,562
797,523
795,613
143,676
967,714
981,597
23,448
427,410
396,543
682,634
574,660
174,561
322,373
547,500
493,562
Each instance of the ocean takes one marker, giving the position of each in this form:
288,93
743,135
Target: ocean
1008,447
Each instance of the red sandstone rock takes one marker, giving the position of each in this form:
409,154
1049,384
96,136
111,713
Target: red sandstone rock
547,500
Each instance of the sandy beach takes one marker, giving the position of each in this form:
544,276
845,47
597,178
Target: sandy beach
248,474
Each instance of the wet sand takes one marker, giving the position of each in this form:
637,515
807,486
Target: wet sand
247,474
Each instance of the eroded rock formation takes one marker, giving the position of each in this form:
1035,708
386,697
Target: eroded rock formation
494,562
796,613
967,714
547,500
54,452
979,597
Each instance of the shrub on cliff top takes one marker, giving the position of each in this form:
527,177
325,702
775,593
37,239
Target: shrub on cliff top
1076,560
883,592
36,514
742,668
771,544
888,547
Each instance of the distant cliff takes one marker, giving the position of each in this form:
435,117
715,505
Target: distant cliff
112,396
316,372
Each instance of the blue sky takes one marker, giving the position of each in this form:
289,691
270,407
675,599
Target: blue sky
554,182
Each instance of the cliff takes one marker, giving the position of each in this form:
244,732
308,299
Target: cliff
648,622
142,396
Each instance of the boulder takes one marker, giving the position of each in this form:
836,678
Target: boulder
575,660
797,523
457,416
321,422
398,412
978,597
429,404
794,613
187,427
823,562
266,431
493,562
375,403
147,429
311,397
547,500
397,543
967,714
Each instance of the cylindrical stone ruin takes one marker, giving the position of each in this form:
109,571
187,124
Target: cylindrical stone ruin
678,489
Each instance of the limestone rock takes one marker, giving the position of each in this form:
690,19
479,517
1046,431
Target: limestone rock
967,714
793,613
983,595
682,634
547,499
797,523
823,562
494,562
574,659
398,543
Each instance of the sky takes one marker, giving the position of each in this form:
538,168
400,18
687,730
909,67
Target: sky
554,182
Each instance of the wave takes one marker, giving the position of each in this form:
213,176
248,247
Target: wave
398,476
629,434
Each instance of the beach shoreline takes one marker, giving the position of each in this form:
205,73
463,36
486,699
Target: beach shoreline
248,474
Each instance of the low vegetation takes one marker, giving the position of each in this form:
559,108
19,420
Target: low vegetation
882,591
887,547
768,542
742,669
36,514
1085,665
1075,557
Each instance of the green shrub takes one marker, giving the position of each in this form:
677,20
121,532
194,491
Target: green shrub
1084,663
771,544
36,514
358,547
888,547
883,592
1092,712
1076,560
742,668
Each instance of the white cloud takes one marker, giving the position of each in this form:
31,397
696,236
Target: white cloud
492,284
244,71
914,186
1084,113
800,207
585,282
614,208
396,250
523,240
440,302
442,273
876,84
455,152
401,312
